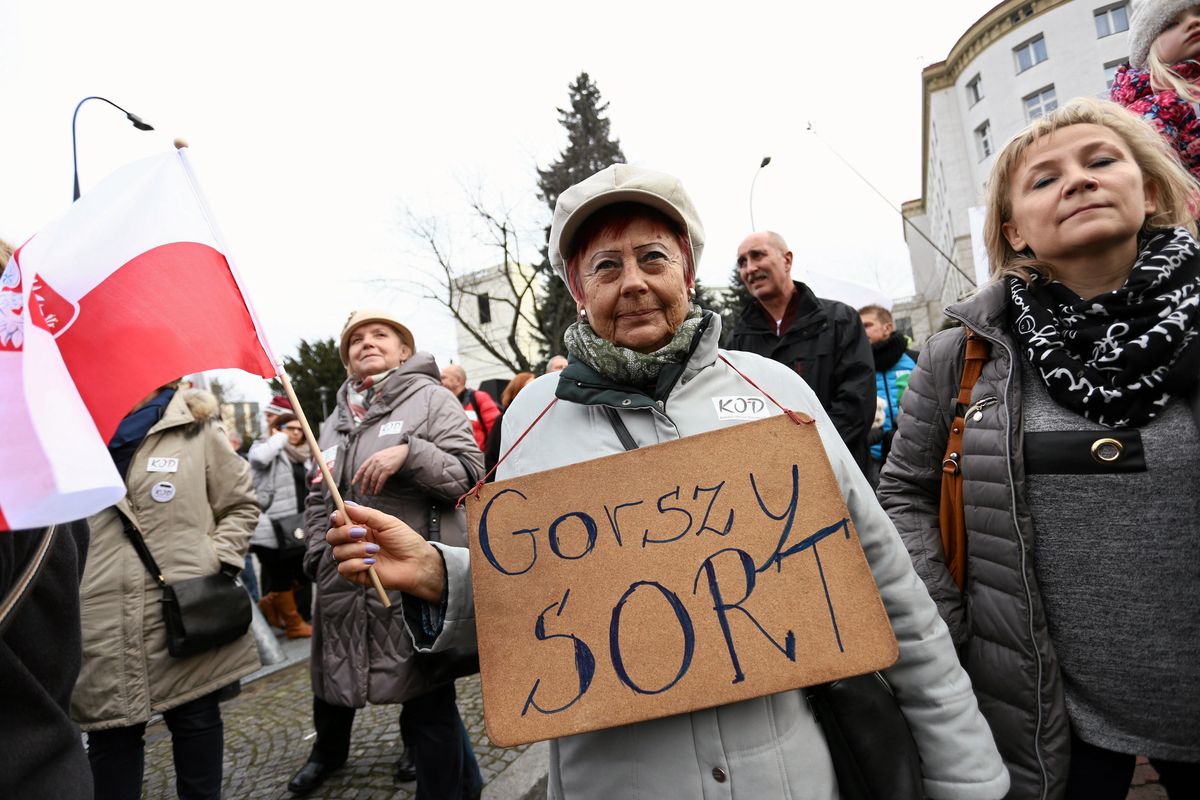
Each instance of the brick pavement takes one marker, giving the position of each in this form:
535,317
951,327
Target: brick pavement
268,735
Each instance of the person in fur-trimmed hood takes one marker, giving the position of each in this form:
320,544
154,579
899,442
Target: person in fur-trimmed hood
190,496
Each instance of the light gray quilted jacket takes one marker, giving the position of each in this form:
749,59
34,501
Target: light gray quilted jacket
271,470
999,621
768,747
360,651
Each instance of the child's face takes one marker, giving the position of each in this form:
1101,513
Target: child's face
1076,192
1180,41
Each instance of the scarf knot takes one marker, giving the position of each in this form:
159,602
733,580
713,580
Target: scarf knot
360,393
625,366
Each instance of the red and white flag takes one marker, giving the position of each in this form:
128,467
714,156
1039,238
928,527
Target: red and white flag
127,291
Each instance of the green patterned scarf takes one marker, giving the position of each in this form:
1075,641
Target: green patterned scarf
626,366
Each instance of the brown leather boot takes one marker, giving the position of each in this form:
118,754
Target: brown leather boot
268,605
295,626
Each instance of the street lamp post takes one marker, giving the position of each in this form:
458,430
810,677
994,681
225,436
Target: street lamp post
766,160
323,391
129,115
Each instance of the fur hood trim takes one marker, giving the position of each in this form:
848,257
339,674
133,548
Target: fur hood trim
202,404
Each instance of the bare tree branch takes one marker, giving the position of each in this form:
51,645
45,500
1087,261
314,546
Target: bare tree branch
451,289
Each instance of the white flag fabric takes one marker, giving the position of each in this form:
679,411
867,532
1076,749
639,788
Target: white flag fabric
125,292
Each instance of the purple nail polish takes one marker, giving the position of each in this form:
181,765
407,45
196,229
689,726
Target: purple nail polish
351,503
358,533
368,561
372,548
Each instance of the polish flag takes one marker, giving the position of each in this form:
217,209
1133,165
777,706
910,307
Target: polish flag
127,291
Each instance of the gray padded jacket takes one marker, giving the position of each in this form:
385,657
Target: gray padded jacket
999,621
360,652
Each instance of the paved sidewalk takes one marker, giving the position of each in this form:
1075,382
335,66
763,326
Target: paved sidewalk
269,733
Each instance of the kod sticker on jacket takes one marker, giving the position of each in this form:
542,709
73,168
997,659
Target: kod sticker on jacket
740,407
390,428
161,464
163,492
330,456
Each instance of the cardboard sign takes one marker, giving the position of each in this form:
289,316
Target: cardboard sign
682,576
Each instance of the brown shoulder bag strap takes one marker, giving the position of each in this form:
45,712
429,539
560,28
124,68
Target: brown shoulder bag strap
951,516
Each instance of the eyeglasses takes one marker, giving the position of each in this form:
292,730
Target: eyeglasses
293,428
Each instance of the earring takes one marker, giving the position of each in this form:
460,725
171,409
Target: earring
583,314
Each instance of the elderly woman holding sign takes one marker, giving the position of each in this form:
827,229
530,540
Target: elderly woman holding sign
645,369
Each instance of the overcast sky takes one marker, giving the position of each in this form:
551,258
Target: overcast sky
313,125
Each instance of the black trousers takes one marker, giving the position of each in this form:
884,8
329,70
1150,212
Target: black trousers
279,570
430,727
1099,774
117,755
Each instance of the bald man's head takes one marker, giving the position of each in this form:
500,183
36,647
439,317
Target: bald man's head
764,264
454,378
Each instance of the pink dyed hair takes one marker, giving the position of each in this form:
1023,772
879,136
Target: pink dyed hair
613,221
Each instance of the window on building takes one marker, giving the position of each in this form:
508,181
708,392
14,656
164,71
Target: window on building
1043,101
1110,72
1030,53
983,140
1016,16
1111,19
975,90
485,308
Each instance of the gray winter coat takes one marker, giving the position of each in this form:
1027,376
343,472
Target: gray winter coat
768,747
360,652
1000,619
274,484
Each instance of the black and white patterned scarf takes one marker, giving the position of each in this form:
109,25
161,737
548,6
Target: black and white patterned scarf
1118,358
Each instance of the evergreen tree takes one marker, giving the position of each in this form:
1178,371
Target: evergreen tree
317,364
735,302
590,148
717,301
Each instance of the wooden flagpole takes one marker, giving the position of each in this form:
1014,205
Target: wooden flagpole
319,457
181,145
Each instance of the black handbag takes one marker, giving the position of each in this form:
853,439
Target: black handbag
199,614
289,530
289,533
873,752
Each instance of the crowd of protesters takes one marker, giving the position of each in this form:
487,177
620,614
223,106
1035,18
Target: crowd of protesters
1039,656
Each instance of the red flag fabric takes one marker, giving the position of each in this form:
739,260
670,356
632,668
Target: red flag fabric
128,290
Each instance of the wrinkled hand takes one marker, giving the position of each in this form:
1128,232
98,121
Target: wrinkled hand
402,558
376,470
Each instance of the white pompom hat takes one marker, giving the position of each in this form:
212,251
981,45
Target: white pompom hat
1147,19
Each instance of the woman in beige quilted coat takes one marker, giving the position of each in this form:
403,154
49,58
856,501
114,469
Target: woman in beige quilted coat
191,499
